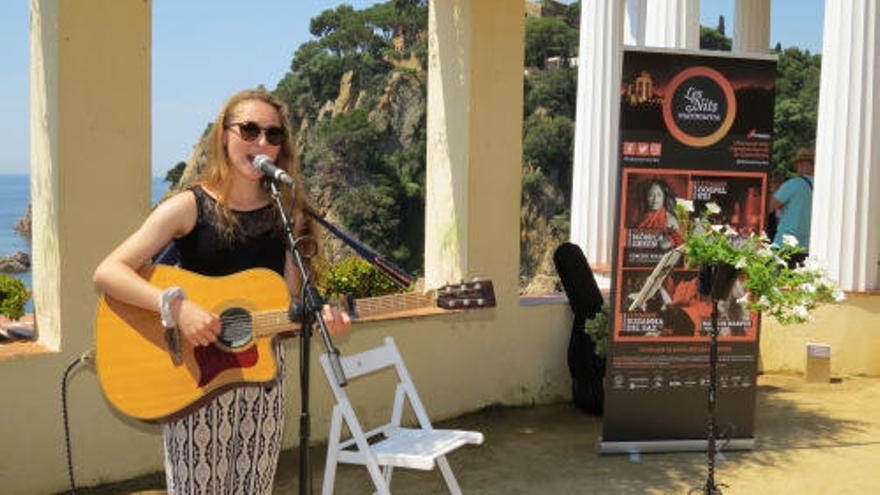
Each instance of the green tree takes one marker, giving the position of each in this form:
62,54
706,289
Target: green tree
714,39
173,175
346,31
797,105
573,16
542,224
549,37
555,91
548,145
350,136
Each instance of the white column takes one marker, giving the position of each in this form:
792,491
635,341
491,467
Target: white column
673,24
594,178
474,154
751,32
845,230
634,22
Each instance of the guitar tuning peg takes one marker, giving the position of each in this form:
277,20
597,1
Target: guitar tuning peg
467,302
452,303
481,301
475,279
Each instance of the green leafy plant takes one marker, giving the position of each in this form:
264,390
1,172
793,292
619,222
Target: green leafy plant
13,297
772,286
357,277
597,328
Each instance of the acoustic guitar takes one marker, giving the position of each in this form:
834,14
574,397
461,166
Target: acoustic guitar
154,374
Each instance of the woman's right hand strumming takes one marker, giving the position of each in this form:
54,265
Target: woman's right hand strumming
198,326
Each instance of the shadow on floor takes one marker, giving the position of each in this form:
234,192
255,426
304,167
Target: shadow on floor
807,436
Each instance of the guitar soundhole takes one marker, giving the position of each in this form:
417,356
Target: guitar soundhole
237,328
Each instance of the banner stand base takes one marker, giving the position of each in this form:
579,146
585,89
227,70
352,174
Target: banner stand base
660,446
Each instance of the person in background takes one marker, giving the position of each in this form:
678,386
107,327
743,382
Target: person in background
771,222
794,199
222,225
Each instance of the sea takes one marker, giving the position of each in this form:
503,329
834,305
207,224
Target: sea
15,194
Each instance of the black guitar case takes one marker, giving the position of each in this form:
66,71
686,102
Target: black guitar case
587,369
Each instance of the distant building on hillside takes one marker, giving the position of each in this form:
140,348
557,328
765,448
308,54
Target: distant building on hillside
545,8
557,62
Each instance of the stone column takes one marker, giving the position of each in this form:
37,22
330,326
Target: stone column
845,231
474,155
594,181
634,22
90,188
673,24
90,149
751,32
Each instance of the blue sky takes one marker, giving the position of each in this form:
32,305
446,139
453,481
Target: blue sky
205,50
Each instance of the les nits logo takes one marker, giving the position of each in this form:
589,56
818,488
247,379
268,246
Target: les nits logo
699,107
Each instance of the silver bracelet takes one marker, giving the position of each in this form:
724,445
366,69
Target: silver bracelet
169,296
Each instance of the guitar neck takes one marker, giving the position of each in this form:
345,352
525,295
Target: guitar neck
267,323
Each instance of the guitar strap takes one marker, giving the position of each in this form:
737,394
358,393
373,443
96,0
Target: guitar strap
808,181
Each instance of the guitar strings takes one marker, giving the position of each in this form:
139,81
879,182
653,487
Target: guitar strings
266,321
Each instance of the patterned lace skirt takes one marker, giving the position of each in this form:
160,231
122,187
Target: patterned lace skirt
230,445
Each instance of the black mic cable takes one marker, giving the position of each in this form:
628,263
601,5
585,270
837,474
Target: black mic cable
81,359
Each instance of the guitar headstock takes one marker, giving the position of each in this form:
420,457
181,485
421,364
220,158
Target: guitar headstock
467,295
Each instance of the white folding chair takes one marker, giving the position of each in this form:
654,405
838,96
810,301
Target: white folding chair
417,448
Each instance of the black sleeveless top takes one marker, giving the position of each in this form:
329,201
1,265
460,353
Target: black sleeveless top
204,250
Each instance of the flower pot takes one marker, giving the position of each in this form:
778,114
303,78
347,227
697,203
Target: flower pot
717,280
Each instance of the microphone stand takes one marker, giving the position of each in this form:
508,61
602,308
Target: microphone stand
306,312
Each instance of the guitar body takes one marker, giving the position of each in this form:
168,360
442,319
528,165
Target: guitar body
154,374
144,377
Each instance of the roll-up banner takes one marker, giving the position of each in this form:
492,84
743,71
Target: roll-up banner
695,126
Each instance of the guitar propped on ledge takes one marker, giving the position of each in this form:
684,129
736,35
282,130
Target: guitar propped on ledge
152,374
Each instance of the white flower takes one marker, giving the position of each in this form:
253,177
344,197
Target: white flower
718,228
730,231
713,208
809,288
763,301
764,237
688,205
800,311
744,299
839,295
740,263
789,240
765,251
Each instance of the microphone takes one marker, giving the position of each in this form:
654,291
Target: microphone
264,164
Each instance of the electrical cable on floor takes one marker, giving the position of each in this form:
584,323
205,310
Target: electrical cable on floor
727,432
81,359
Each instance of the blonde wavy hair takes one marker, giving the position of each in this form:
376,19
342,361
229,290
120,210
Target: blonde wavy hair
216,169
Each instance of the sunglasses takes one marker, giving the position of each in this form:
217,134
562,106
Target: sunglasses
250,131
